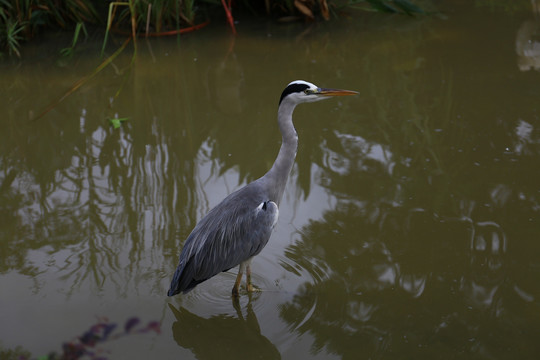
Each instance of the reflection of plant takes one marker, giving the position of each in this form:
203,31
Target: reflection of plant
388,280
412,260
86,344
94,182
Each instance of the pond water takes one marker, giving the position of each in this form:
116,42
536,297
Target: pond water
409,228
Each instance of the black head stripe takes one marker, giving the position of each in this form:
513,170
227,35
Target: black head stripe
293,88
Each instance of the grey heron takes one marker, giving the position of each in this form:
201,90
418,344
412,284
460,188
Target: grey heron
239,227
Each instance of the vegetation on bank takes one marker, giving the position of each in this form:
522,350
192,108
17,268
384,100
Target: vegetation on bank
21,20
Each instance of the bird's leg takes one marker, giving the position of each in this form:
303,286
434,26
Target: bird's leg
249,287
235,291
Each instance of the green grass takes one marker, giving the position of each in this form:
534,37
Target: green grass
20,20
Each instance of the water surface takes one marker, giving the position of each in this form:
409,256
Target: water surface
410,223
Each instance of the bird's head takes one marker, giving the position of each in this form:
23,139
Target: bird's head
300,91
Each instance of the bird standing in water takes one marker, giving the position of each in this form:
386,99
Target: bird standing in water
239,227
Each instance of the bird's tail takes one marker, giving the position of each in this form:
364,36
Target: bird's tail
183,280
175,282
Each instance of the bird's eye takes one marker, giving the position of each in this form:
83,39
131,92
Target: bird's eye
308,91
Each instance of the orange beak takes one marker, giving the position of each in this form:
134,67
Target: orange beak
335,92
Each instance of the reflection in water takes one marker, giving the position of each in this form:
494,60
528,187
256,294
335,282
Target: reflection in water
225,81
417,231
230,337
87,205
528,47
94,199
527,44
426,294
420,276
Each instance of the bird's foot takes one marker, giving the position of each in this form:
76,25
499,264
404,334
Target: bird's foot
248,290
252,288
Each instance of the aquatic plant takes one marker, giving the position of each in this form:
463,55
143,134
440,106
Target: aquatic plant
20,20
67,52
87,344
10,30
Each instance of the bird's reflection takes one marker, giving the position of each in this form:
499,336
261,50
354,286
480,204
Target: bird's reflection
232,336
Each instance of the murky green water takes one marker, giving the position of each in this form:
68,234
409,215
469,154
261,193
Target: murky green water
409,229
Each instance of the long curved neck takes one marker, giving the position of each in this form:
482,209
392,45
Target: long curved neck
276,178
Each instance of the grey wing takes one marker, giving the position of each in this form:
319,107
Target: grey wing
234,231
242,235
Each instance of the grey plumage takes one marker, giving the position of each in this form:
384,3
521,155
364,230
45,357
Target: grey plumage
240,226
234,231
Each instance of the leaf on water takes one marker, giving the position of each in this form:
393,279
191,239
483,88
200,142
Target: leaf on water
153,326
117,122
89,338
131,323
303,9
107,330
